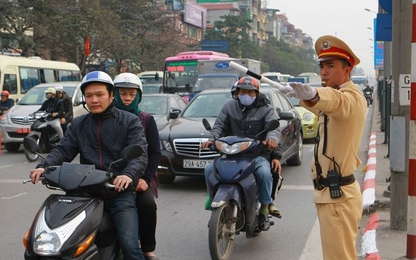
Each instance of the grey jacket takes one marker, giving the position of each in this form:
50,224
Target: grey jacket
239,120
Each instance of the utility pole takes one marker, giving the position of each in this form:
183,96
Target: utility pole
411,215
399,127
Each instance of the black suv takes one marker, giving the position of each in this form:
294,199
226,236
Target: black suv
181,139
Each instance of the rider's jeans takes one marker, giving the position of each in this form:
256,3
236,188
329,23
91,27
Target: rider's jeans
263,175
56,124
123,210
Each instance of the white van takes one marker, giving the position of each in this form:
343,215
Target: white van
151,82
19,74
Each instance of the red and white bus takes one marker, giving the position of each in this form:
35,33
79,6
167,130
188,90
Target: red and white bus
184,68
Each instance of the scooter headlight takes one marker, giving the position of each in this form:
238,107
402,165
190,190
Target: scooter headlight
233,148
48,242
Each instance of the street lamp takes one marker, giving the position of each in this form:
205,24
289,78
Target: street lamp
239,37
368,10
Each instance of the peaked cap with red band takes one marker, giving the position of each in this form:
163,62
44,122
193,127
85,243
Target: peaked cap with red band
329,47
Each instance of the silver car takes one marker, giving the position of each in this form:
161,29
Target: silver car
15,124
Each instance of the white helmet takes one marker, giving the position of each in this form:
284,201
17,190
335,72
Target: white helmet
127,80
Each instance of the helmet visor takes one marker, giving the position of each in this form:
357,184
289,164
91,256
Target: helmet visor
125,85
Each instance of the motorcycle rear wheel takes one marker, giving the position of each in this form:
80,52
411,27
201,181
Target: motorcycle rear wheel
221,232
31,157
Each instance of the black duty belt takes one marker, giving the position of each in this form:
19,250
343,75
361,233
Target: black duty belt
320,183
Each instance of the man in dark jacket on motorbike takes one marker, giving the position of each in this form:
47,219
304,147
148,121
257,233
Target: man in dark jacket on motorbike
99,137
247,116
368,94
5,103
54,107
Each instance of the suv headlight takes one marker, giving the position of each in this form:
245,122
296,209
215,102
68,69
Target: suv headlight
4,119
165,145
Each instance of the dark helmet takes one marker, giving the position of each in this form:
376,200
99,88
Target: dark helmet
248,83
234,89
5,93
97,76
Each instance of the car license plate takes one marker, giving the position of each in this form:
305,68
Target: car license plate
196,164
23,130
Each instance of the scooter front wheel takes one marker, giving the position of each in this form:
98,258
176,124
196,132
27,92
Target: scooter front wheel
31,157
221,232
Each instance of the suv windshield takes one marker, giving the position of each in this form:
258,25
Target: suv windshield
155,105
36,96
207,105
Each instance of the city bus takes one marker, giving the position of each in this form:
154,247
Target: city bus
277,76
184,68
19,74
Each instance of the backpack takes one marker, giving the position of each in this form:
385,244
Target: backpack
154,182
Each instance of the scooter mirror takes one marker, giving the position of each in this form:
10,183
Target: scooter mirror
206,124
131,152
271,125
31,145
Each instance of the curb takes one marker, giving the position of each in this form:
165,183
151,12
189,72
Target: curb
368,240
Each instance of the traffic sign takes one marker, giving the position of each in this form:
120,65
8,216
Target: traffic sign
404,89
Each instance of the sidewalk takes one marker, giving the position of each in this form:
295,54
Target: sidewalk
391,244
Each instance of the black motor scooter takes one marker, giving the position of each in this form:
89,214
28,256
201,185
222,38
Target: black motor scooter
74,225
43,134
232,187
368,97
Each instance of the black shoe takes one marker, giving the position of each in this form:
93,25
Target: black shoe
264,222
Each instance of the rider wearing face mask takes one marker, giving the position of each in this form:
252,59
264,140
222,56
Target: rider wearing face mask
247,115
55,108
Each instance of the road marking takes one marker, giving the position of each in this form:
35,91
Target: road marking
15,196
312,249
297,187
20,181
6,166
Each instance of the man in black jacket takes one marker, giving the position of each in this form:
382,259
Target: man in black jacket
5,103
99,137
53,106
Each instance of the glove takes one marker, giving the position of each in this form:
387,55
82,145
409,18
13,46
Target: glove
285,88
302,91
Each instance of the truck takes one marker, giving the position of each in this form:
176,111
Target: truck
219,74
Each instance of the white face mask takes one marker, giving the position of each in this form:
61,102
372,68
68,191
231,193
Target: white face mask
246,99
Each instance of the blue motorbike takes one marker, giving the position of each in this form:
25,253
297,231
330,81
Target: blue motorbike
232,187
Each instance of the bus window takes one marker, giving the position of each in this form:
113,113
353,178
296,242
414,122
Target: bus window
10,83
67,75
47,75
28,78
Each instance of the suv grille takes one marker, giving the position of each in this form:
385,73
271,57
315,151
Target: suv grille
191,147
22,120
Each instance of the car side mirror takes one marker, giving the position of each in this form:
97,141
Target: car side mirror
287,115
174,113
157,76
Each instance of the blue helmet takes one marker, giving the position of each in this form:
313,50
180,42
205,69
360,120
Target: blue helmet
97,76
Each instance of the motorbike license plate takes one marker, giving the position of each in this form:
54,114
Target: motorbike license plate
196,164
23,130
